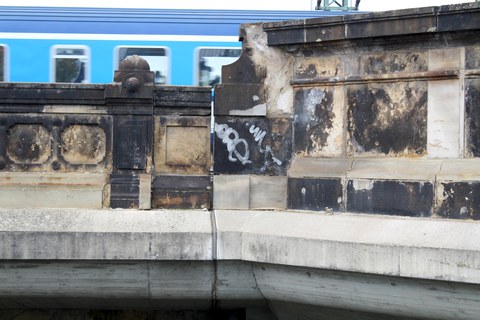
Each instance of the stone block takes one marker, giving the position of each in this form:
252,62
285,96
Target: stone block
391,23
268,192
319,30
319,167
182,145
388,119
240,100
446,59
472,114
392,197
472,57
445,120
319,122
252,145
231,192
124,190
459,200
317,194
317,68
458,17
393,62
181,192
51,190
285,32
394,169
132,145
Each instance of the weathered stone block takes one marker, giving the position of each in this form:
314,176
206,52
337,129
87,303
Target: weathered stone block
472,110
324,29
458,17
268,192
319,122
239,100
182,145
472,57
393,62
388,119
315,194
51,190
83,144
446,59
444,138
124,190
132,144
459,200
252,145
390,23
28,144
231,192
393,197
181,192
317,68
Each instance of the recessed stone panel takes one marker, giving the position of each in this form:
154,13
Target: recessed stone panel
319,121
182,144
187,145
472,57
28,144
393,62
318,68
83,144
387,119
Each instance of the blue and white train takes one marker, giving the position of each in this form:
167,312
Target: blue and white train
85,45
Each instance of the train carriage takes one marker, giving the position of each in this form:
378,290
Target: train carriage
85,45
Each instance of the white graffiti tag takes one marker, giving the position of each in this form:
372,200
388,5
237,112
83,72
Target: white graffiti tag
258,135
231,139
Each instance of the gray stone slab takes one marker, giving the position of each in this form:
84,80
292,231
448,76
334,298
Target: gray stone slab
231,192
268,192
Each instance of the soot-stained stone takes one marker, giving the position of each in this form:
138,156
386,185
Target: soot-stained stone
252,145
459,200
402,198
394,62
314,194
313,119
390,119
133,141
472,107
124,192
181,192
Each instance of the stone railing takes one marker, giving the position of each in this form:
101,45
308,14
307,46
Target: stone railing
129,144
369,113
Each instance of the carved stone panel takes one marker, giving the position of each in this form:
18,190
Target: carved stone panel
28,144
83,144
182,144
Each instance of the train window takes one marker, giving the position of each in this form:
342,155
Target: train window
157,57
209,64
3,63
70,64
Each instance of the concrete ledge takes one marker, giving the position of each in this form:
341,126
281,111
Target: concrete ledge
54,258
75,234
393,246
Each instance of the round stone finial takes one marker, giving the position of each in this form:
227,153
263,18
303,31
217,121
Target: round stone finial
134,62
